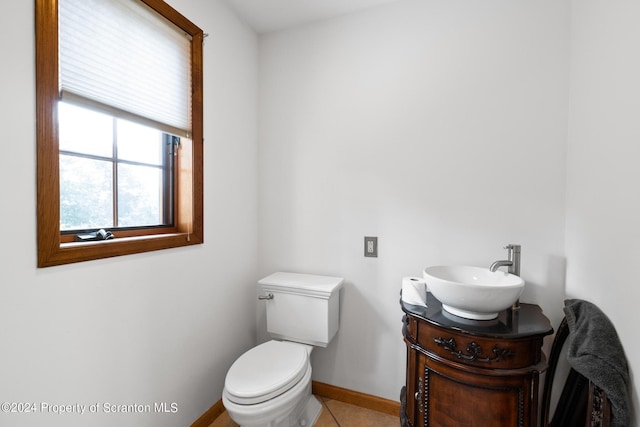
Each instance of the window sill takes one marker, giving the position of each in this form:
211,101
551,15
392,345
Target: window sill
71,252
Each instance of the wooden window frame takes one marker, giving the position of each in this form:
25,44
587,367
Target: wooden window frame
188,229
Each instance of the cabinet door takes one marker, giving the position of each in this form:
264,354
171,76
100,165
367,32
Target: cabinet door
454,397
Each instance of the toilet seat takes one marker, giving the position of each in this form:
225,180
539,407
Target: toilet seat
266,371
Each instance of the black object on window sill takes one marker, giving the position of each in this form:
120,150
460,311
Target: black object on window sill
92,237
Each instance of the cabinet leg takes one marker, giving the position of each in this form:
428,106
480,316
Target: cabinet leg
404,420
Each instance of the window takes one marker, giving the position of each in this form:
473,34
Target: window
114,174
119,128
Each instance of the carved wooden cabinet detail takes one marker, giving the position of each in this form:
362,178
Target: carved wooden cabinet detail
466,373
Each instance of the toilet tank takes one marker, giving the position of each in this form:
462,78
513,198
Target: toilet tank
304,307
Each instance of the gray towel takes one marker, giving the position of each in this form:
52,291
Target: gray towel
595,351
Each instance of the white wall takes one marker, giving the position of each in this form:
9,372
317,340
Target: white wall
603,202
138,329
439,127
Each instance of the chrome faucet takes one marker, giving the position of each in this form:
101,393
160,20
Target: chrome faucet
513,262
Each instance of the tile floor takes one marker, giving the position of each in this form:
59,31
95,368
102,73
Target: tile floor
336,414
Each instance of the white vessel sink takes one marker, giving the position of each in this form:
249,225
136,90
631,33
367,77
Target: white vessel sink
473,292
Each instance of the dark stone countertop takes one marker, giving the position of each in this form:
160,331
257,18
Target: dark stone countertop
526,322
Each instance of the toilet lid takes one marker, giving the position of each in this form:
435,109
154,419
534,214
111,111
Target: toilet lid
266,371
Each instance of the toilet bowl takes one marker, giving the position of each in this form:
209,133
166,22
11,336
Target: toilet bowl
270,385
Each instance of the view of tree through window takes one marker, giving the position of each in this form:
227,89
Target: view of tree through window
113,173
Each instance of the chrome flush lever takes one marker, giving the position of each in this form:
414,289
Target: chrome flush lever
268,296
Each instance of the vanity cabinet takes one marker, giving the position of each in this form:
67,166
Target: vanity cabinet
472,373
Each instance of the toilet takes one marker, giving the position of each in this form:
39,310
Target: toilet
270,384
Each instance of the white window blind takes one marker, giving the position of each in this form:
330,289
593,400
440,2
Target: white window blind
122,57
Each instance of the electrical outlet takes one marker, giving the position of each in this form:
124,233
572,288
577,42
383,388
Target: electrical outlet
370,246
